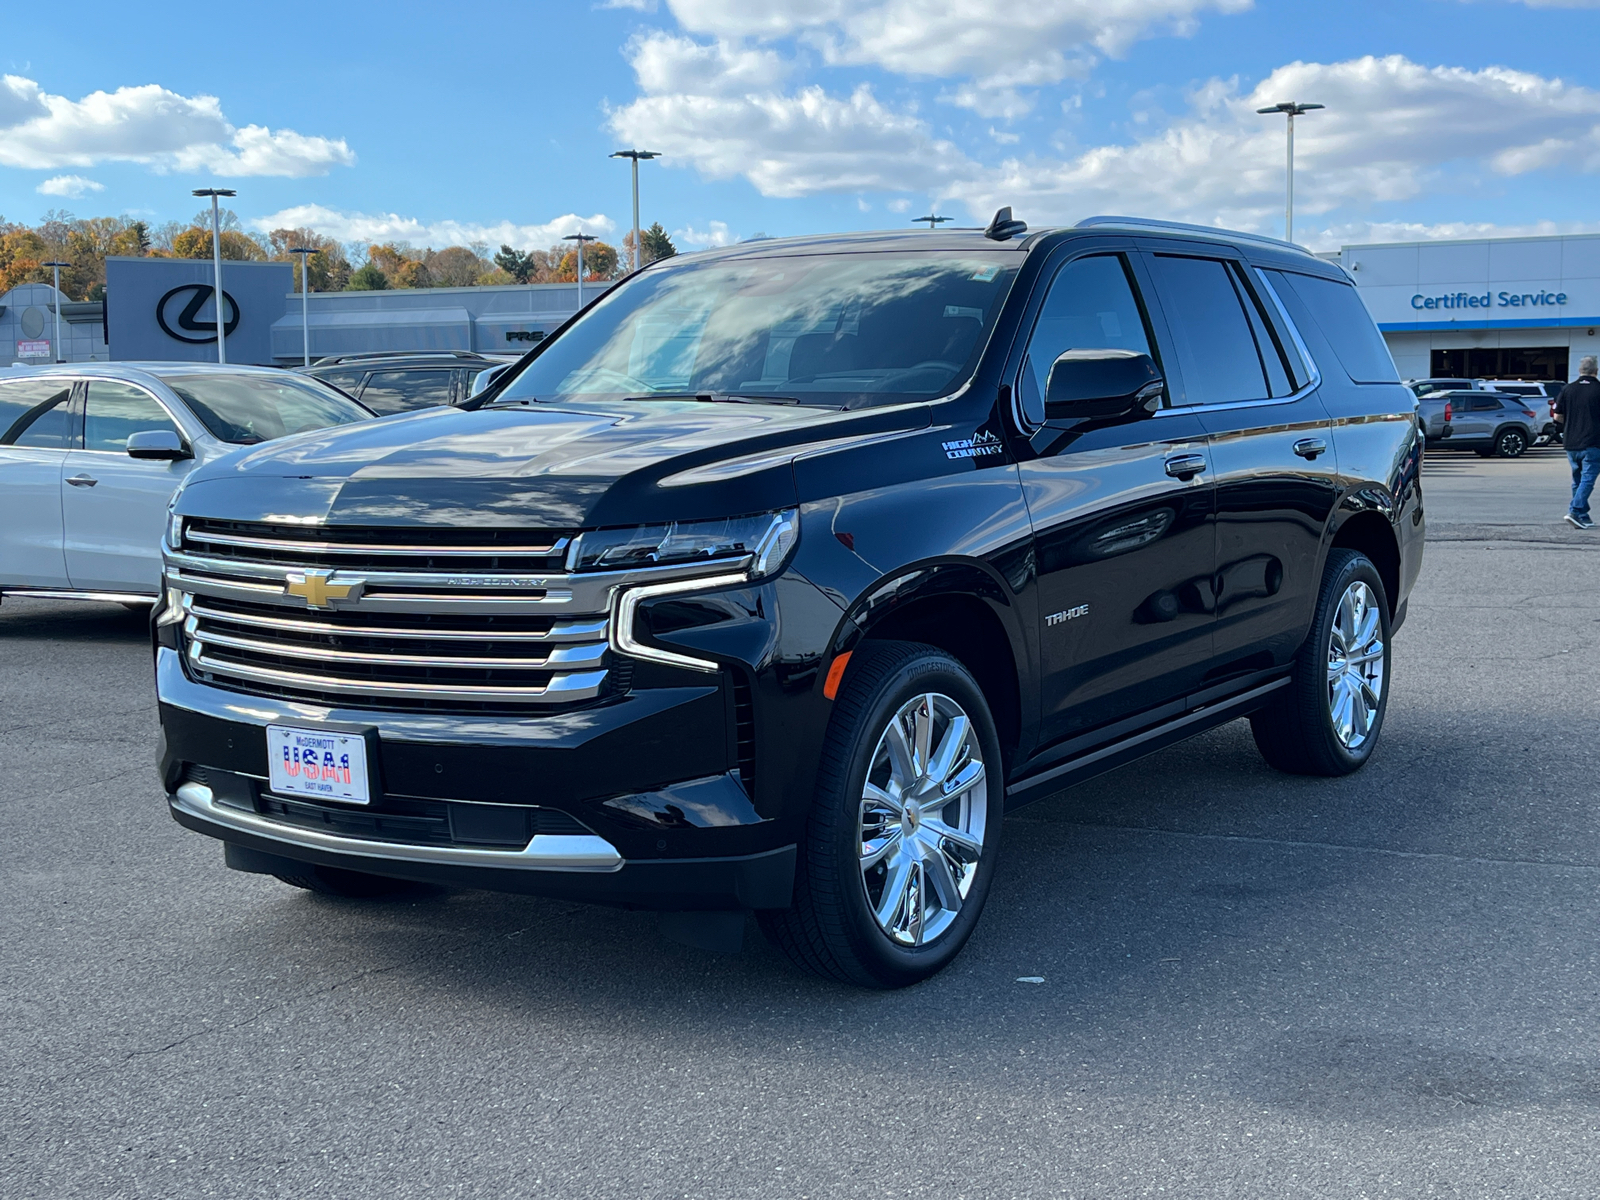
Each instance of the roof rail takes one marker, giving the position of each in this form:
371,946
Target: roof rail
365,354
1210,230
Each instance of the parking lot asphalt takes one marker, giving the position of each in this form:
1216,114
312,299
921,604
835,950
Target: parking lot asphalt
1252,985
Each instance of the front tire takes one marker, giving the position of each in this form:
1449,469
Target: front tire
1327,721
901,843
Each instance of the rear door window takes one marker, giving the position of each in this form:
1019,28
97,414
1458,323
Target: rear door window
34,413
400,391
346,381
1216,347
1347,326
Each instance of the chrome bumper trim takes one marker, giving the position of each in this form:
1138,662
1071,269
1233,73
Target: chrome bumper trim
546,852
63,594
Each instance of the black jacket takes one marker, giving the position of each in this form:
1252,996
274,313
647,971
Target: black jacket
1578,406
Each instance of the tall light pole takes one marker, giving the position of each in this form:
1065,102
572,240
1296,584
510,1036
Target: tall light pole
636,155
216,263
305,253
933,221
1291,110
581,238
55,346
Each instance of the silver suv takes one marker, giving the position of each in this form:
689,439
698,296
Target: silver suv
1495,423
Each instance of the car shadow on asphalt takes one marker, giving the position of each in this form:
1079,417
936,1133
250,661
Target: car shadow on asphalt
77,621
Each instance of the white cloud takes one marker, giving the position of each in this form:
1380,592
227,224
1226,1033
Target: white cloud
1390,127
391,227
899,206
724,117
716,234
1041,42
70,186
1363,233
150,125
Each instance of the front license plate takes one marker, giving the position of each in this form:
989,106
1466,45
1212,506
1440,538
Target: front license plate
317,763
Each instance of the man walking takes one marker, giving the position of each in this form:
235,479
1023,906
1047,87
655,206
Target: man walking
1577,411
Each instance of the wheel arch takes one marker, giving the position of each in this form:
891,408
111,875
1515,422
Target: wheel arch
963,609
1372,533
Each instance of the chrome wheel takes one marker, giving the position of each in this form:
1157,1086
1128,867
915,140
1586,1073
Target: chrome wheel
923,813
1355,665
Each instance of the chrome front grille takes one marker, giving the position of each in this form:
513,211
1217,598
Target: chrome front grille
398,618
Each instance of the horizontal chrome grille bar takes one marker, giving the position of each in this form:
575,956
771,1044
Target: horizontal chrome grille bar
567,656
582,685
480,550
375,580
560,631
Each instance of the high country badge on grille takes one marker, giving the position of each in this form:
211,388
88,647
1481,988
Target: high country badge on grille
318,590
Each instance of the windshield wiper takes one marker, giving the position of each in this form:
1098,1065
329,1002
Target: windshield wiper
720,397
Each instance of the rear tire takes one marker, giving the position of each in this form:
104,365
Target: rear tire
1510,443
352,885
901,843
1327,721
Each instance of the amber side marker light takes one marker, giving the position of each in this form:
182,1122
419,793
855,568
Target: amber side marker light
830,686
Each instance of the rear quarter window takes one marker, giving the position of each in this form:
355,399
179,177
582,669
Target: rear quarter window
1347,326
23,401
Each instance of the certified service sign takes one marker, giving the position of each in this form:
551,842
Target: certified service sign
32,349
177,313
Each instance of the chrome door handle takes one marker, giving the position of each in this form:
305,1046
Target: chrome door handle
1309,448
1186,466
82,480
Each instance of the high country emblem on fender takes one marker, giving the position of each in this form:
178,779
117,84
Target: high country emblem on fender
1067,614
318,590
976,446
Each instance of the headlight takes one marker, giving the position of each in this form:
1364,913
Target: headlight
765,540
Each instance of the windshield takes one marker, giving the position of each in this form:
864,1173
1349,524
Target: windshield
256,408
842,330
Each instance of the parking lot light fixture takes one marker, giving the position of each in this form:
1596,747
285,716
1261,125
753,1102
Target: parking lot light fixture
305,253
581,238
1290,109
55,346
933,221
635,155
216,263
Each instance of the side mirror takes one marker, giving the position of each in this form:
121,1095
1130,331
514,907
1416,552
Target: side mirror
157,443
1102,383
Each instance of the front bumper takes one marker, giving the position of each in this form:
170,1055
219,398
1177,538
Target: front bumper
652,815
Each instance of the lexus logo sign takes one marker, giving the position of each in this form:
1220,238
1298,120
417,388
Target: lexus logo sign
176,312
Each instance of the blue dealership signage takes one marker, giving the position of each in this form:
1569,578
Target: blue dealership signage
165,309
1539,299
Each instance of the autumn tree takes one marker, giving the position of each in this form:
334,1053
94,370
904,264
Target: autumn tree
367,278
656,242
455,266
328,268
599,263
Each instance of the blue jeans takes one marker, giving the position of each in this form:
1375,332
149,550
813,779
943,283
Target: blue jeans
1585,469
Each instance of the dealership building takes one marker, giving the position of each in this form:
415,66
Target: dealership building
1491,308
1515,308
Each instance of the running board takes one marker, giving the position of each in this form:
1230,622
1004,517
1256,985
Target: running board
1125,750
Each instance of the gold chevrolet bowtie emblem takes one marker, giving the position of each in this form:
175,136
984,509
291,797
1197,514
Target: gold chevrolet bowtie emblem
318,591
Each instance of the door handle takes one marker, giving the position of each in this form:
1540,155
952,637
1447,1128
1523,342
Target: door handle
1186,466
1309,448
82,480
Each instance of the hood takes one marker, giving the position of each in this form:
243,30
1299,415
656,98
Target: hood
536,465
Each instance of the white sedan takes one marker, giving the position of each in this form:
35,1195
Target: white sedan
90,454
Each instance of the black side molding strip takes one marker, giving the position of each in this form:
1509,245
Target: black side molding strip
1036,787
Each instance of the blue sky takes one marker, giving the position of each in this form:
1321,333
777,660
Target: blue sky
491,121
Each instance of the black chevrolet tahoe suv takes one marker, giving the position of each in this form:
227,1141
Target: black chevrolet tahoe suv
780,573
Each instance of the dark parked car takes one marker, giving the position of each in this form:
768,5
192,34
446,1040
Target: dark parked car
1492,423
779,577
391,383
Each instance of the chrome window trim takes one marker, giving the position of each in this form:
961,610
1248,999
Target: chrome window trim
628,601
1313,373
546,852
